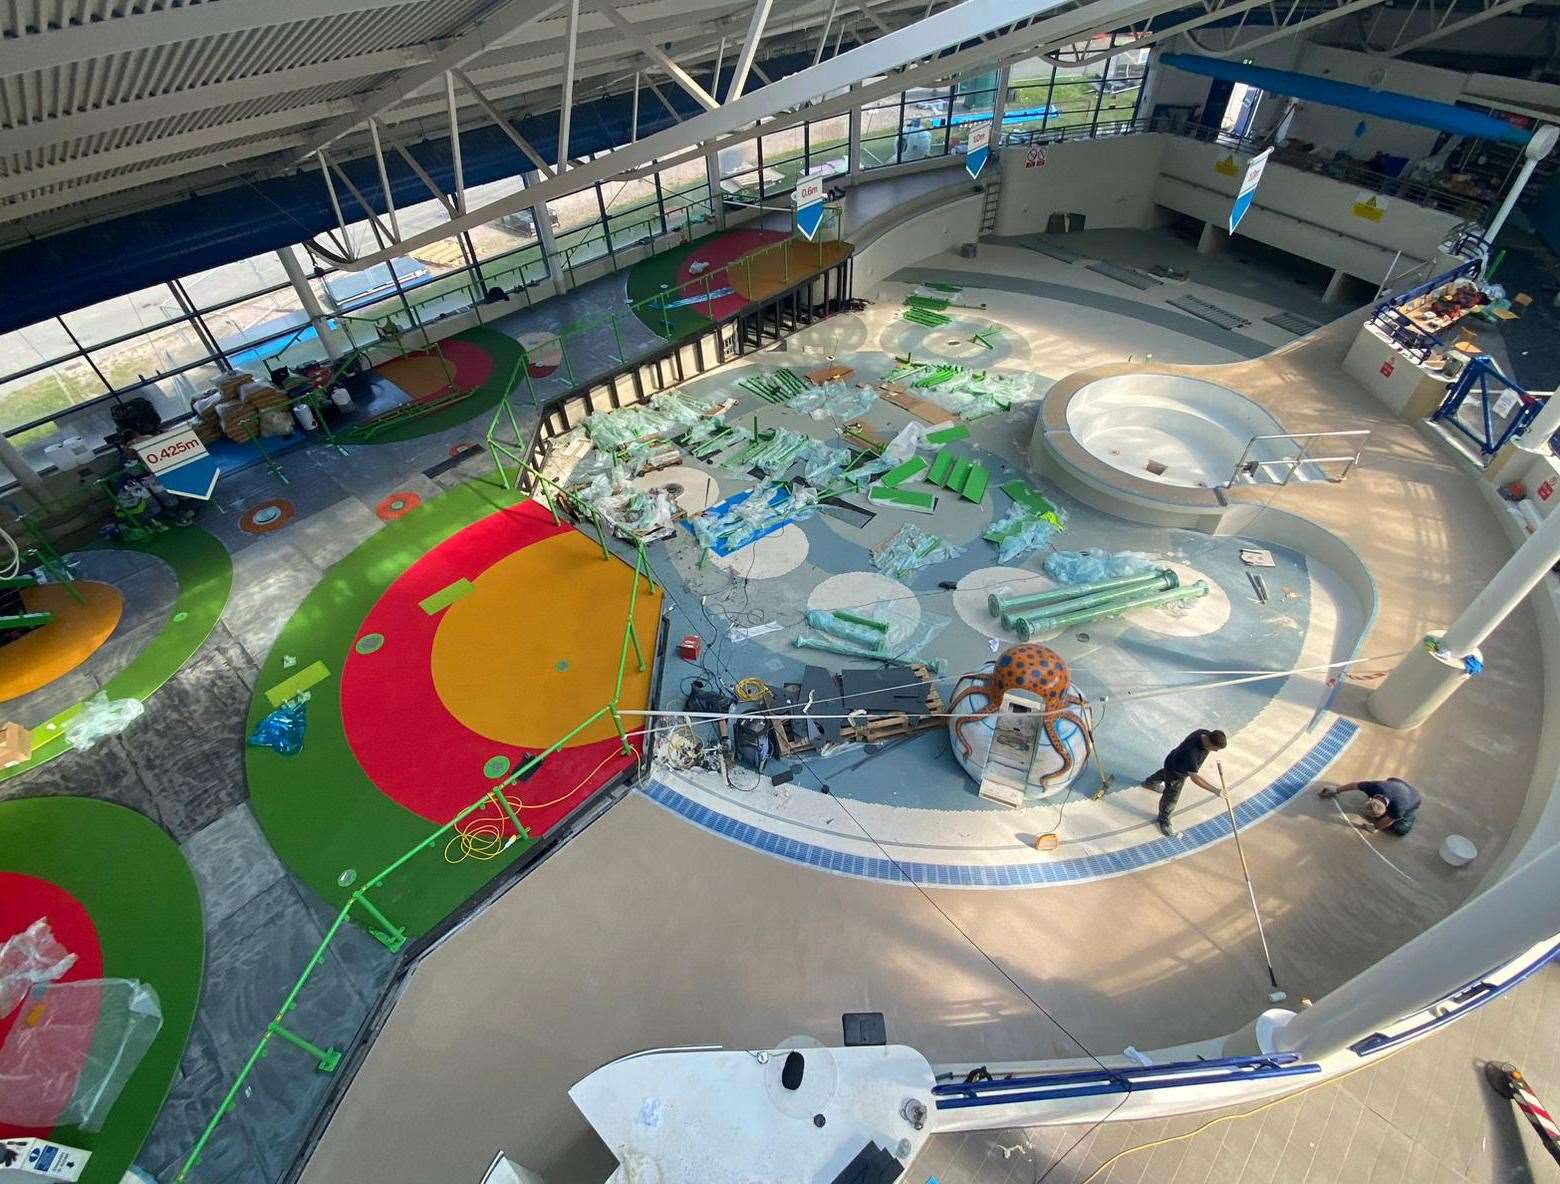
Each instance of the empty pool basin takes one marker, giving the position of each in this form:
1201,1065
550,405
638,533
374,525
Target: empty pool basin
1169,429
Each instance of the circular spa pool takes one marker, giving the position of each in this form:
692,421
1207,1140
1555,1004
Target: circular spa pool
1168,428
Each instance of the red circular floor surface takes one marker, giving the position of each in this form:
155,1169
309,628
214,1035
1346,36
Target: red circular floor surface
23,899
717,252
408,742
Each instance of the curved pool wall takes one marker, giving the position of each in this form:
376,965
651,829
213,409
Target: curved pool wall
1195,430
1098,430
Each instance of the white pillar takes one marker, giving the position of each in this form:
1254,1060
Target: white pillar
999,109
26,476
1547,422
1424,680
1333,293
544,236
853,162
1213,239
1512,915
1538,147
717,194
310,302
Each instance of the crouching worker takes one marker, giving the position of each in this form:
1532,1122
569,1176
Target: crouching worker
1391,805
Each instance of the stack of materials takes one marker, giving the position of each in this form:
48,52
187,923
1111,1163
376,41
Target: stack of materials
241,409
1034,614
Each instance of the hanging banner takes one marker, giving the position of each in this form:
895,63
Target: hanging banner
976,149
807,197
180,462
1248,187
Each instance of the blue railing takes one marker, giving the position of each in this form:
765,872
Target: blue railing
1476,380
1459,1003
1390,318
1088,1083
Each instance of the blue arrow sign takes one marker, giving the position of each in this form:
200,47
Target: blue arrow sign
807,197
180,462
1248,187
977,149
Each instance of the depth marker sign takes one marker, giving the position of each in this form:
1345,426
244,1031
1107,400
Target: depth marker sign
807,197
180,462
977,149
1248,187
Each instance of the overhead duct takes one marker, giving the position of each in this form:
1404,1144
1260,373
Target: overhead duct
1386,104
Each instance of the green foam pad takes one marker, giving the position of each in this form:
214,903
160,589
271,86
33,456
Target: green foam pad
445,596
1027,497
975,484
960,474
311,675
940,468
947,435
905,499
899,474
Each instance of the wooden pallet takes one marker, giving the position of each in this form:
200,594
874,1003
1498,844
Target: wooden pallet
874,728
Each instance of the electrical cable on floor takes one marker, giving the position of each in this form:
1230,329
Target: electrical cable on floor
1369,845
484,837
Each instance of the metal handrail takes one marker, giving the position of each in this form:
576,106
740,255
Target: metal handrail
1306,440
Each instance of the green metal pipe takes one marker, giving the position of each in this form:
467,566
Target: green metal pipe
1160,582
858,619
847,651
1000,605
1028,627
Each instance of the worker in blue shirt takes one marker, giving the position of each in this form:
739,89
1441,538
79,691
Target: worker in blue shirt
1182,764
1391,805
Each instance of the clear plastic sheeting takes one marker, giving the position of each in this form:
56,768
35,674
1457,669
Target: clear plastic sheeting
71,1050
834,400
1021,532
101,717
823,464
910,549
1092,565
30,957
745,518
664,416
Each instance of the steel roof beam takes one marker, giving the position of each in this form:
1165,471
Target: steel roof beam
755,34
784,97
656,54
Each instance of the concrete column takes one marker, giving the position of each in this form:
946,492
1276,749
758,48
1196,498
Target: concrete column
1333,293
544,235
1424,680
717,195
999,109
311,304
1213,239
1503,921
26,476
853,163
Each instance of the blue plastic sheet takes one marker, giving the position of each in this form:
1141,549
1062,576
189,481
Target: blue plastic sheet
282,730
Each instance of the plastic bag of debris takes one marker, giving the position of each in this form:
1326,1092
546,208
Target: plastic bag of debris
1092,565
911,549
101,717
1021,532
30,957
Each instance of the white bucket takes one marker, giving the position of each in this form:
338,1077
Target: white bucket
1458,851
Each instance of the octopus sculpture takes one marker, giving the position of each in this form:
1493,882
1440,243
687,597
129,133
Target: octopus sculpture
1042,672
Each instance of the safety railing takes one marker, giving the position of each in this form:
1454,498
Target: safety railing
1253,468
1086,1083
360,906
1394,320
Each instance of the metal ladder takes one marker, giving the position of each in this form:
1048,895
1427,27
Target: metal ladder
988,210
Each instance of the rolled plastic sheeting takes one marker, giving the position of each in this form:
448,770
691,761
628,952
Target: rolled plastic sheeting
1007,606
1028,627
826,622
1388,104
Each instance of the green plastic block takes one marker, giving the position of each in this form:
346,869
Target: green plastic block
899,474
310,675
960,474
941,467
904,499
1028,498
975,484
948,435
445,596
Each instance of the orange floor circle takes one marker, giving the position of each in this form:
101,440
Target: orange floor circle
515,661
39,657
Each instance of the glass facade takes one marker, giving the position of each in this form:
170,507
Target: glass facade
169,341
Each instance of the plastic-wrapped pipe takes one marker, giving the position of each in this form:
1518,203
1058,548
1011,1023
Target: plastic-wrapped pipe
862,635
1006,606
858,619
1028,627
829,646
1160,581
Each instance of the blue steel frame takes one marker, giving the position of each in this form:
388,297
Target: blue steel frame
1478,373
1087,1083
1469,998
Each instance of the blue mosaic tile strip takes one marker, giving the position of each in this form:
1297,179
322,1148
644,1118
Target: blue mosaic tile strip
1016,875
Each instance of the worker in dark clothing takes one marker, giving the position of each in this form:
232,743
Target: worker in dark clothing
1182,765
1391,805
